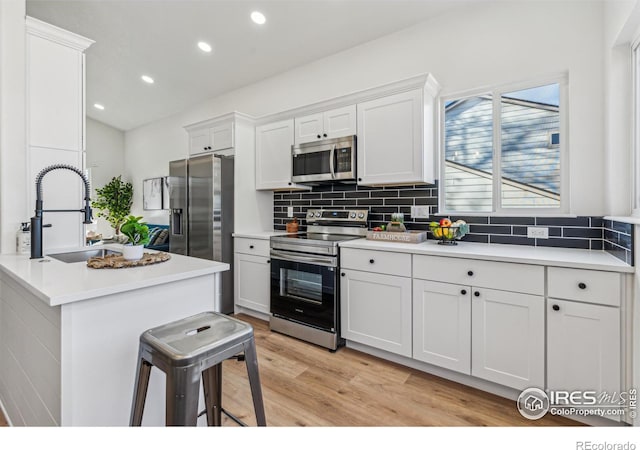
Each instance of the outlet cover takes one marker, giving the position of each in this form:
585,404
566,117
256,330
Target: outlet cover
289,211
420,212
538,232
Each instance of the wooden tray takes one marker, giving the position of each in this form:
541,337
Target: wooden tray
118,261
412,237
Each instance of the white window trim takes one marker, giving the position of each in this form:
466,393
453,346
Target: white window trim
496,92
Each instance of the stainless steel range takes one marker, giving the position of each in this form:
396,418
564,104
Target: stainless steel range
305,289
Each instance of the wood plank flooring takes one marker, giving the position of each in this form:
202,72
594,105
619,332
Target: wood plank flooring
305,385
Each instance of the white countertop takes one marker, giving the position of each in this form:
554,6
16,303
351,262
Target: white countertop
57,283
258,234
548,256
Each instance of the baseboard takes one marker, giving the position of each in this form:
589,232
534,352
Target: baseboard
250,312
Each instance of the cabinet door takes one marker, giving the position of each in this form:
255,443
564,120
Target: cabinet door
199,141
309,128
442,325
273,155
508,338
376,310
340,122
390,140
55,95
252,286
221,136
583,346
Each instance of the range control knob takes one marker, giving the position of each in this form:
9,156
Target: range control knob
352,215
310,214
318,214
361,216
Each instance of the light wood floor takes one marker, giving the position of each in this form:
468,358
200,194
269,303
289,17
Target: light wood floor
305,385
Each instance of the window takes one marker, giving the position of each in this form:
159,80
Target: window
504,151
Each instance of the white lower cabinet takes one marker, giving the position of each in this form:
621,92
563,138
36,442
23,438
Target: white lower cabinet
494,335
583,350
508,338
376,310
442,325
252,273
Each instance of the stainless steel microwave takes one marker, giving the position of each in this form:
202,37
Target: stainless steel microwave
326,160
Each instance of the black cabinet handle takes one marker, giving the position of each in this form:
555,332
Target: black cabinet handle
325,135
477,293
359,179
251,246
342,274
268,261
319,136
470,273
555,308
290,183
463,292
371,261
582,285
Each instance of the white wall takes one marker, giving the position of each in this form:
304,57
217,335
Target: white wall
13,153
104,158
464,49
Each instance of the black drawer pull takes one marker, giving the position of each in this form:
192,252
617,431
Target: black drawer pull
342,274
463,292
371,261
251,246
319,136
470,273
582,285
477,293
555,308
268,261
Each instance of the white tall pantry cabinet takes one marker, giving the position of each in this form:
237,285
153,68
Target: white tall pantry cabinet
55,127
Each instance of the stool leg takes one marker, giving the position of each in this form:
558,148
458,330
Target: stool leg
143,372
251,359
183,389
212,384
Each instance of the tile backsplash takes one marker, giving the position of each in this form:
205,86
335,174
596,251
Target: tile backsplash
585,232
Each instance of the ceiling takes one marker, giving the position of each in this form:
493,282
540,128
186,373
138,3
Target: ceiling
158,38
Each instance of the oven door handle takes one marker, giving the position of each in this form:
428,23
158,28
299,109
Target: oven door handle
332,156
319,260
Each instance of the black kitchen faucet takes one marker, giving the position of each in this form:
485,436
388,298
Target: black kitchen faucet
36,221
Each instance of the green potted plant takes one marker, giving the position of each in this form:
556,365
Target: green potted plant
114,202
137,234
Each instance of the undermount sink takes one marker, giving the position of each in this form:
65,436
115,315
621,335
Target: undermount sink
83,255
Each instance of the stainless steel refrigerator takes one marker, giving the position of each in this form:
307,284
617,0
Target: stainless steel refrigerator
201,222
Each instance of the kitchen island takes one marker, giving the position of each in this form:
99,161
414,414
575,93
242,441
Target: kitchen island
69,335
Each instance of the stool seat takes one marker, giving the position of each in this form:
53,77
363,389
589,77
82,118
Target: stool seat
191,349
196,337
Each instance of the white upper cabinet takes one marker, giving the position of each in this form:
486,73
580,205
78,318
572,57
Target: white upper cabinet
211,136
55,86
335,123
273,156
396,137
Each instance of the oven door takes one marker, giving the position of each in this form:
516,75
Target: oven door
304,289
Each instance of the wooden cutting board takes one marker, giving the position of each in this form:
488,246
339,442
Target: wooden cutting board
118,261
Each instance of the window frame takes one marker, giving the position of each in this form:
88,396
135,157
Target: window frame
635,127
496,93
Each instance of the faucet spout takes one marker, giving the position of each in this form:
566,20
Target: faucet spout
36,220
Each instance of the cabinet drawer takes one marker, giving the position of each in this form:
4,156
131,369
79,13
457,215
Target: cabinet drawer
490,274
376,261
258,247
590,286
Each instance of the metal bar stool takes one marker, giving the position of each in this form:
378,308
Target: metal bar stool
187,350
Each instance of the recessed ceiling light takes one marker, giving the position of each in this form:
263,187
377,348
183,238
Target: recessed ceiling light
204,46
147,79
98,106
258,17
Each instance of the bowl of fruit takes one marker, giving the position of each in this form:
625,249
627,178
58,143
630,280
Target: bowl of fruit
448,232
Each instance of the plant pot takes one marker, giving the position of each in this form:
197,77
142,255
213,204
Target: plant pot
132,252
